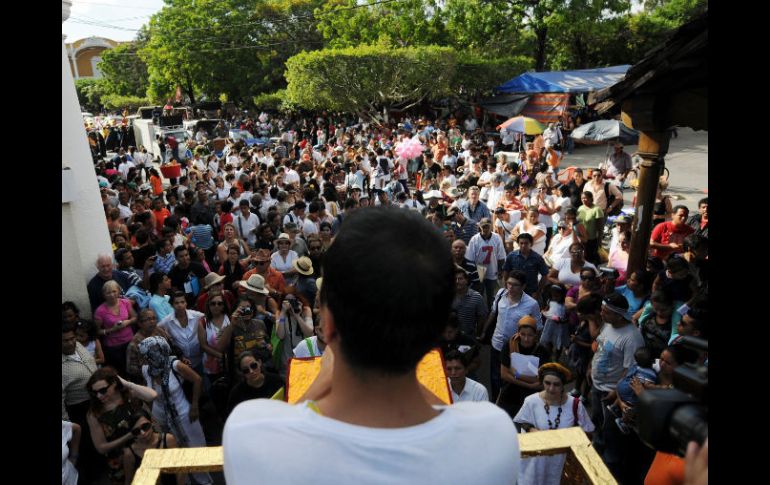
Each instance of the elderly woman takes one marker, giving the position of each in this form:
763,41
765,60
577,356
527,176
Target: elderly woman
551,408
532,225
256,384
113,401
113,320
165,374
519,383
282,260
566,271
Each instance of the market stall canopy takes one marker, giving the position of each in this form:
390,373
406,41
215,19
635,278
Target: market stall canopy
580,81
505,104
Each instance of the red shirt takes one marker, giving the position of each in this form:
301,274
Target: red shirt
666,233
160,216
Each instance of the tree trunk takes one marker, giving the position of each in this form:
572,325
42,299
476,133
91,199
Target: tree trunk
542,37
188,87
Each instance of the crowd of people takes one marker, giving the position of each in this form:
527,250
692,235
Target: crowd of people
216,278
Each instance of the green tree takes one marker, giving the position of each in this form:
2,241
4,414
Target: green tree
90,92
395,23
369,80
125,73
231,47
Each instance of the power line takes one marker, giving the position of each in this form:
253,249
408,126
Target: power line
79,2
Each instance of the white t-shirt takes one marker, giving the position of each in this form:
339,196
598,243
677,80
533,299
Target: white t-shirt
539,244
279,264
564,267
292,177
472,392
467,443
69,474
245,226
486,253
559,247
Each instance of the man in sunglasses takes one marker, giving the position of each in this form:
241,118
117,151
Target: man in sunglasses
260,264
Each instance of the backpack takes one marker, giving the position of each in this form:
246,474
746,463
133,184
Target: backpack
610,199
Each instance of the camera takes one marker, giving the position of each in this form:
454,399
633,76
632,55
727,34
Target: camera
668,419
245,310
296,306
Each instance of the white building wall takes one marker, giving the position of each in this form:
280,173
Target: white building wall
84,228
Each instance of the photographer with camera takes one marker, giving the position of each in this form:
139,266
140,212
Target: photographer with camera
251,324
295,324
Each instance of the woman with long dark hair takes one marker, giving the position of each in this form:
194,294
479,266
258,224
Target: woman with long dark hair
113,401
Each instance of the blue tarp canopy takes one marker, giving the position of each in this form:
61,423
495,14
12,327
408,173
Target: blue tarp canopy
582,81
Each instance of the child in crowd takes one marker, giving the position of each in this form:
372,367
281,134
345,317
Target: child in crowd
556,328
85,333
642,371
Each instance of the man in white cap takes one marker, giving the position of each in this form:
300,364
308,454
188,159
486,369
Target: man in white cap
487,252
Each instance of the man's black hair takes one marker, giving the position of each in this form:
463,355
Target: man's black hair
525,235
179,249
399,300
456,355
67,327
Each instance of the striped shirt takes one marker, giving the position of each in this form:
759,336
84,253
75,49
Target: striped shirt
202,236
76,369
469,308
164,263
466,231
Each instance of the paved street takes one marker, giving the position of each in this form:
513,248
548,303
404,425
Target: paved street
687,160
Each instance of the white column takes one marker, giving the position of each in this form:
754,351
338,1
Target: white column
84,229
74,58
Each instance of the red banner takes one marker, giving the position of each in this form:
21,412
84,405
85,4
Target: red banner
546,108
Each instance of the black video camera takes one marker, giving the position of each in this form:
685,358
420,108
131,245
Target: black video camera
668,419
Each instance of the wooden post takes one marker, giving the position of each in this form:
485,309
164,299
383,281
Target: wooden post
653,146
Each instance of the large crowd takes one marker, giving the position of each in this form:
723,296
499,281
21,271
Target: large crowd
213,283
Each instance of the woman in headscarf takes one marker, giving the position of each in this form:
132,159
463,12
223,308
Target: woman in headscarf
551,408
171,409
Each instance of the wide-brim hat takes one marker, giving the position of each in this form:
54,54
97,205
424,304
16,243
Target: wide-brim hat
303,265
255,283
433,194
212,279
282,237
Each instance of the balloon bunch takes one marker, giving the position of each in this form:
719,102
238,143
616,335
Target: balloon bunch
409,148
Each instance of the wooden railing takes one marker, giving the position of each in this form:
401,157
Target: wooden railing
583,464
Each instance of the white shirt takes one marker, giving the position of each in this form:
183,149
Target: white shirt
466,443
473,391
279,264
486,253
292,177
245,226
69,474
471,124
185,338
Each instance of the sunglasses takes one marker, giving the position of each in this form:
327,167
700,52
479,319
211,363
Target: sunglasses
261,263
217,303
252,366
99,392
141,429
